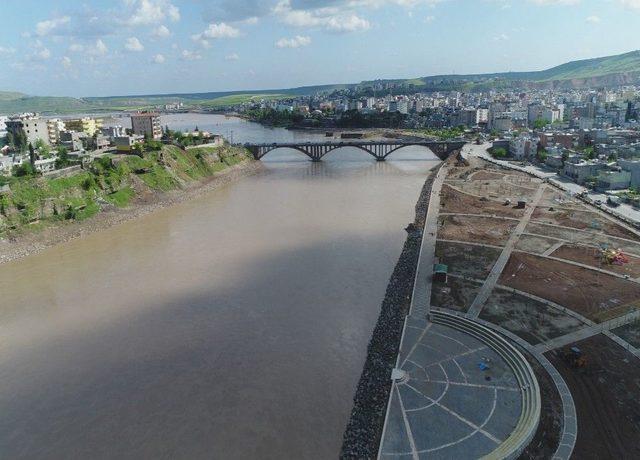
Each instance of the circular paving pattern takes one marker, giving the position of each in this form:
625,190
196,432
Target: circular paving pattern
457,398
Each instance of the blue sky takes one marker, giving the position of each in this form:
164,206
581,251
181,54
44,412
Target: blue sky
119,47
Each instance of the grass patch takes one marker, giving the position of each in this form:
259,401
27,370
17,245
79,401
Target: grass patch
121,198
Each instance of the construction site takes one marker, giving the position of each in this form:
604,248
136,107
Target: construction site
517,259
572,269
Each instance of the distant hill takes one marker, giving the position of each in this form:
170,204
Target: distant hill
605,71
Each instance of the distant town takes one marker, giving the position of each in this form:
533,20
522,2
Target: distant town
589,136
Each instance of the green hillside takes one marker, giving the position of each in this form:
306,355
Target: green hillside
602,71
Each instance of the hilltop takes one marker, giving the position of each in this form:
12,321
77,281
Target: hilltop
604,71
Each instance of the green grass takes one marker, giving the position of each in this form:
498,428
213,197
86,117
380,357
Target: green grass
236,99
122,197
34,201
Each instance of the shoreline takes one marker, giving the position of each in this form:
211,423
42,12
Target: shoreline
362,435
12,249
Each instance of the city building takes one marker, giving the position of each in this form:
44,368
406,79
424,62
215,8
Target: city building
86,125
125,144
613,180
55,126
146,124
72,140
582,171
31,126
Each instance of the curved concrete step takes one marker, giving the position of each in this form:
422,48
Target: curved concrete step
527,424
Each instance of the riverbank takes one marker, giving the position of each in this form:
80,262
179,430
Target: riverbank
364,429
145,200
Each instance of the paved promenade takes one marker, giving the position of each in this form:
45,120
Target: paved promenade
445,406
421,299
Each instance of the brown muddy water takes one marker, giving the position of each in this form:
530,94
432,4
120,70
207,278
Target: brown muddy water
231,326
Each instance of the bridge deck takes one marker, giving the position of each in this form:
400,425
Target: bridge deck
378,149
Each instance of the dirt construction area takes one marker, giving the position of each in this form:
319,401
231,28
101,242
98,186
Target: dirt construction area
457,294
581,219
605,392
591,238
467,260
486,230
593,257
596,295
535,244
455,201
528,318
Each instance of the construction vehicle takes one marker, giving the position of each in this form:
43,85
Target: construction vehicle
614,257
575,358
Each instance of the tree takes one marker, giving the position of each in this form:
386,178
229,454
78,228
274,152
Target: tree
43,149
499,152
589,153
32,155
63,157
25,169
542,155
20,141
540,123
9,140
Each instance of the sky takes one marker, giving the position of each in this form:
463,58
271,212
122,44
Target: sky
124,47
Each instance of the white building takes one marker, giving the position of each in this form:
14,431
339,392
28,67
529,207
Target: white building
54,127
482,116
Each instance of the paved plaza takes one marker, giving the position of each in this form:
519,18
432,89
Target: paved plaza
445,405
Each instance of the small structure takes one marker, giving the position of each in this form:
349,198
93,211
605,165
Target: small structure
440,272
522,203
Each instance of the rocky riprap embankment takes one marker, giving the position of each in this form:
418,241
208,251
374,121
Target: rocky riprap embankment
363,432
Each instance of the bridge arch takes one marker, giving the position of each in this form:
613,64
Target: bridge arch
379,150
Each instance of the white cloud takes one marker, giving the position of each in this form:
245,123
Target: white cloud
190,55
6,50
133,44
329,18
158,59
295,42
51,25
633,4
215,31
232,57
593,19
99,49
41,53
66,62
555,2
161,31
221,30
146,12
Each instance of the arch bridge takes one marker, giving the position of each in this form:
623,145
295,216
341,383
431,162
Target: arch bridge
380,150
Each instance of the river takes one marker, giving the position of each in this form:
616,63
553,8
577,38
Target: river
234,325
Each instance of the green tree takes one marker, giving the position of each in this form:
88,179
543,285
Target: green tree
9,140
43,148
540,123
63,157
23,170
499,152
